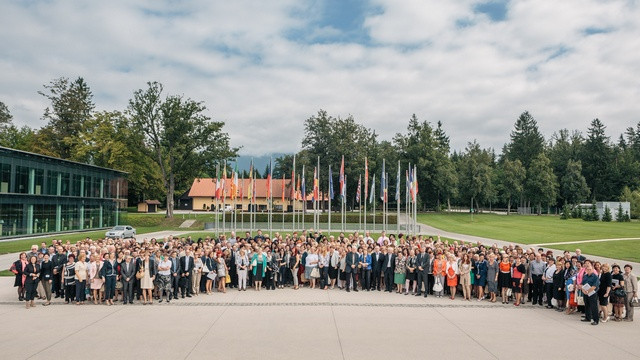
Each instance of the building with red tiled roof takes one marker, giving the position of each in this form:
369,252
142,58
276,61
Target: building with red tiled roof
203,194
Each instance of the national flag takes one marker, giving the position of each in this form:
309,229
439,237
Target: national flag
406,183
250,190
373,190
358,190
224,181
366,178
234,182
383,185
297,194
218,188
269,180
315,185
342,187
415,180
398,185
283,190
330,184
241,187
294,189
303,189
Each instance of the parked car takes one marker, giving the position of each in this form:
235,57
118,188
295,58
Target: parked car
121,231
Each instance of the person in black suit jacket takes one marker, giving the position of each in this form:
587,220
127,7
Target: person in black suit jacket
175,273
58,260
377,261
388,269
127,276
422,264
351,268
18,271
186,268
32,272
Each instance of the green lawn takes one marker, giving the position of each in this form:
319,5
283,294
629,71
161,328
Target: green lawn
624,250
530,229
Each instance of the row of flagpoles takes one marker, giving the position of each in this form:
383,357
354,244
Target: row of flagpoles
298,193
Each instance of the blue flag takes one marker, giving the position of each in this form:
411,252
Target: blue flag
330,184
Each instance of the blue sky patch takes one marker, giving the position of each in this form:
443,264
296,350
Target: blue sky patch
596,30
496,10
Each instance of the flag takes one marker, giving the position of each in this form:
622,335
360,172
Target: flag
218,182
315,185
283,190
383,184
302,187
250,190
234,182
241,187
373,190
294,189
398,185
406,182
330,184
269,180
342,187
358,191
224,181
297,194
366,178
415,181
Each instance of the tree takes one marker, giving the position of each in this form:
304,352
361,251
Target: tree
511,180
178,136
541,182
71,106
606,215
5,117
633,197
573,186
596,161
476,175
526,140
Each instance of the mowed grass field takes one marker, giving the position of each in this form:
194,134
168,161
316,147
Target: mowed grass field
545,229
530,229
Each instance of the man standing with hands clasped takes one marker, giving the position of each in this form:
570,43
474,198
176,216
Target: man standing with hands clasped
351,269
186,267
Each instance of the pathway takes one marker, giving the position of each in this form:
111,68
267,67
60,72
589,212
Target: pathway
427,229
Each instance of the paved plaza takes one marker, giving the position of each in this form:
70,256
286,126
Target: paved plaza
307,324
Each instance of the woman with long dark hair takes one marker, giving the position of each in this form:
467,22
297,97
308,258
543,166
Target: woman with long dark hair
32,274
18,270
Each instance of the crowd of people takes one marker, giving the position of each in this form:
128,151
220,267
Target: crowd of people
106,271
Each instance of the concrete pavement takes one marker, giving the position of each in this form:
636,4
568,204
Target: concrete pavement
309,324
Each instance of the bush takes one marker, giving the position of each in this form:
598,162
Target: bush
591,215
566,212
606,216
576,213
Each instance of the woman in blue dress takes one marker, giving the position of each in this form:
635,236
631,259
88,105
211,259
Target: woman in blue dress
481,276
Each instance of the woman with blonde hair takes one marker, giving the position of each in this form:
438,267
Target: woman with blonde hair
95,280
81,279
452,272
465,277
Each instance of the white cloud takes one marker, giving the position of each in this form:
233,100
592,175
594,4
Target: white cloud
239,57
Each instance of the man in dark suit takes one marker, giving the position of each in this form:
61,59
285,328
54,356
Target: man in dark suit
377,261
127,276
175,274
422,263
388,268
186,268
57,262
351,268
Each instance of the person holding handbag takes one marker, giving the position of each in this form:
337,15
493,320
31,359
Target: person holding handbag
311,267
32,274
439,271
146,273
258,267
164,279
631,290
17,268
46,277
222,274
242,264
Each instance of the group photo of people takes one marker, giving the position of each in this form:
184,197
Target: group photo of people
153,271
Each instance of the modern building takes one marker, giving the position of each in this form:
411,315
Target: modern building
203,196
42,194
613,207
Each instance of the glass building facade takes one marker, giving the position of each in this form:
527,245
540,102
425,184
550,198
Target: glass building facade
41,194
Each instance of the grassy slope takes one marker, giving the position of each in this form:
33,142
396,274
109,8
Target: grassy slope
624,250
530,229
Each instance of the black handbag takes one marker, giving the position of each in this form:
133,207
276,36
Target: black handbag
619,292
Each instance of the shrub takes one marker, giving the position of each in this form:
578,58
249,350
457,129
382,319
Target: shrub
606,216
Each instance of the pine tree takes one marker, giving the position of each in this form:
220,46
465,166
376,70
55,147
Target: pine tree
566,212
594,213
606,216
620,214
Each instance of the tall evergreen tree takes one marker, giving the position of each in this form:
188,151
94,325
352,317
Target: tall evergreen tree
597,161
573,186
511,180
541,182
526,140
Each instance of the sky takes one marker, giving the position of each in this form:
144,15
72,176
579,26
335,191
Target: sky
263,67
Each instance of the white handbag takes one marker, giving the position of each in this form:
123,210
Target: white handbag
437,286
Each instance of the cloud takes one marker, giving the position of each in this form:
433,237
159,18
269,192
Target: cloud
264,67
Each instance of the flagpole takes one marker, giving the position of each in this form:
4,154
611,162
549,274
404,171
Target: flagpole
224,220
330,194
366,191
318,200
398,200
304,200
242,203
415,203
359,204
216,195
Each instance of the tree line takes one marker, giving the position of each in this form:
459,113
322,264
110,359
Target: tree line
163,141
